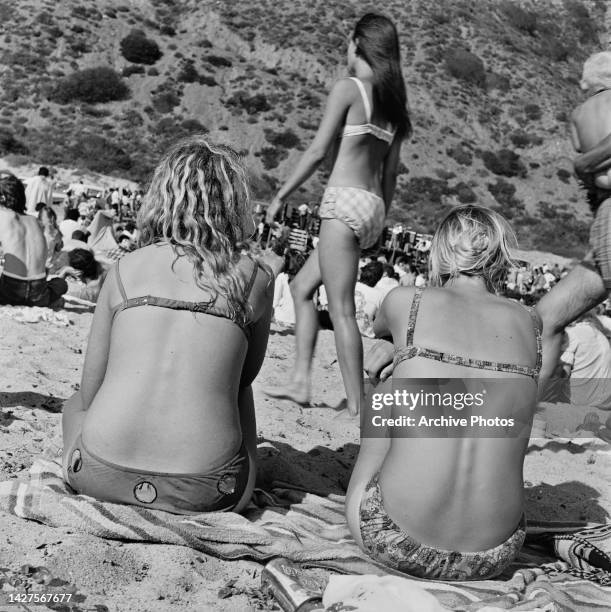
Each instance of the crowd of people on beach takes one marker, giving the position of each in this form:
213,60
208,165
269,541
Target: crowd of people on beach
164,417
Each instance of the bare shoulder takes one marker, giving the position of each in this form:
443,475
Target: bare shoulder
399,299
344,89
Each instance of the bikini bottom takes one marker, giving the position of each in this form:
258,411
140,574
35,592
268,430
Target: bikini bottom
218,490
387,543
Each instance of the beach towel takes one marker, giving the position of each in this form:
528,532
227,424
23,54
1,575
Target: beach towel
35,314
311,530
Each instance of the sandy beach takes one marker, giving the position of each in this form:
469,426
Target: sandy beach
41,366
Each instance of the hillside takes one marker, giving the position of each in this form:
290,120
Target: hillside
490,83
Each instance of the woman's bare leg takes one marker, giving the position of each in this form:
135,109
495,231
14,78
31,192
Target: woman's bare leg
339,263
303,287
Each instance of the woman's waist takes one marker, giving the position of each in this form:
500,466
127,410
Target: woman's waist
448,511
369,190
175,441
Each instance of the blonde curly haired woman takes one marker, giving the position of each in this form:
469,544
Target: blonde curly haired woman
164,417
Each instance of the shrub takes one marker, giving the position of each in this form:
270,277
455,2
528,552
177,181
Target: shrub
425,188
564,175
272,156
152,71
466,66
133,69
504,163
465,194
188,73
460,155
9,144
207,80
92,85
99,154
219,62
165,101
139,49
504,193
519,18
251,104
287,139
533,112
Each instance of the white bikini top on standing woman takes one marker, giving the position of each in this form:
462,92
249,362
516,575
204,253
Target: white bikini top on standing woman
367,128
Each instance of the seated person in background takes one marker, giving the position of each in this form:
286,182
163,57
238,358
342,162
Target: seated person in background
164,417
53,237
451,508
70,223
83,274
367,299
23,281
389,280
586,360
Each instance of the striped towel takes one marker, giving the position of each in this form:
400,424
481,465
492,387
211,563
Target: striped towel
312,531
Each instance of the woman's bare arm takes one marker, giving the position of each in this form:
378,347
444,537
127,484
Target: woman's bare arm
98,346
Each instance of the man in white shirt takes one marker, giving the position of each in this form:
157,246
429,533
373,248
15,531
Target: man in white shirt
587,361
70,224
388,281
39,189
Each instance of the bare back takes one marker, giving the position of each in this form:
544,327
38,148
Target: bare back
462,493
172,376
23,243
359,160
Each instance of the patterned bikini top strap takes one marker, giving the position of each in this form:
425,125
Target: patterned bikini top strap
121,288
413,314
537,327
366,103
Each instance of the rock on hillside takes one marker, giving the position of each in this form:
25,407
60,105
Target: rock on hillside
491,85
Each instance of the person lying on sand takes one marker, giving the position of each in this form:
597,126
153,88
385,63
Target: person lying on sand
23,281
451,507
165,416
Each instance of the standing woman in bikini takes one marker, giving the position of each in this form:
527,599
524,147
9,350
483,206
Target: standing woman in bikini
164,417
365,122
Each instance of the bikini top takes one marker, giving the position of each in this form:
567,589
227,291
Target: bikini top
209,307
409,351
367,128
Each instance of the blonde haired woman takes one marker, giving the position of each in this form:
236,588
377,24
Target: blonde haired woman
164,417
447,503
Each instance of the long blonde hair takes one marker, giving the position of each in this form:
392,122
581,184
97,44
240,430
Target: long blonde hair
198,202
472,240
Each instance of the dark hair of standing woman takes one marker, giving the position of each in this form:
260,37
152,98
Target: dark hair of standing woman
377,43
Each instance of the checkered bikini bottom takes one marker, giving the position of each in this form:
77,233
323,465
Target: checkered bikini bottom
362,211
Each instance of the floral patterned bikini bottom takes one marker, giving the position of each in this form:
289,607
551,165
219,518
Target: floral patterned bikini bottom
387,543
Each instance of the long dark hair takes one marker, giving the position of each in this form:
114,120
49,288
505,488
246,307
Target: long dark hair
377,43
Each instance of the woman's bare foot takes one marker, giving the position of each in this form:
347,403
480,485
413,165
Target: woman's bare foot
343,412
296,392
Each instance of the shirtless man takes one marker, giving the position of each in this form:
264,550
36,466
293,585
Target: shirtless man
588,283
24,278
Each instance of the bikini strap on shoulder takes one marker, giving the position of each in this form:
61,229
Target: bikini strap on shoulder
366,103
538,328
413,314
121,287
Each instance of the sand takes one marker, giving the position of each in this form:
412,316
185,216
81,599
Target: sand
41,366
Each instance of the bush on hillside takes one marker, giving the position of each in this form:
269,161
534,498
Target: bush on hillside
272,156
188,73
9,144
466,66
287,139
523,20
92,85
165,101
219,62
465,194
504,193
564,175
460,155
133,69
99,154
139,49
251,104
504,163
